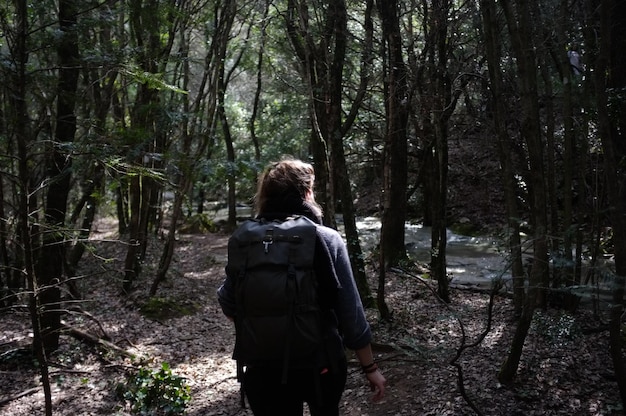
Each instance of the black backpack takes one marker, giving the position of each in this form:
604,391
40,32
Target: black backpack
278,319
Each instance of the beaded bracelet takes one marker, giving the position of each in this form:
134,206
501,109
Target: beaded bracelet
370,368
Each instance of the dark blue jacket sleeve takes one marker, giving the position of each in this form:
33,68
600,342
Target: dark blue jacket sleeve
348,307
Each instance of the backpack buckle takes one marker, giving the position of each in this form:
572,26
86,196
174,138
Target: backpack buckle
268,240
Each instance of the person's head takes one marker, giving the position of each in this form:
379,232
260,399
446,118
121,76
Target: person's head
287,179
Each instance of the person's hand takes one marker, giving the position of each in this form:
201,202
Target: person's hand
377,384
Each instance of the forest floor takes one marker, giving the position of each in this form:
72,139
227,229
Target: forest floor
565,367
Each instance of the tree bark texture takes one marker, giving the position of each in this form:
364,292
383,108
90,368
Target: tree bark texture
395,144
339,16
611,85
441,100
23,141
494,55
49,266
226,23
519,23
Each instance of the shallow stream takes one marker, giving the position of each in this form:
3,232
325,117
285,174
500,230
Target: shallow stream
475,262
471,261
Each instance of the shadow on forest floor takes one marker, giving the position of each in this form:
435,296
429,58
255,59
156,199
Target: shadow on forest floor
565,369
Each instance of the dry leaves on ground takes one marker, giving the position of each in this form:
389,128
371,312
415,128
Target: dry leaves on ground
565,368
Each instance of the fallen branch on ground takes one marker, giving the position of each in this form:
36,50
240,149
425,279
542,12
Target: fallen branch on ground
18,395
497,285
94,340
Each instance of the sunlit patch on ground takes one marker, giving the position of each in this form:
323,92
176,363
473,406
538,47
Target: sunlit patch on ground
561,373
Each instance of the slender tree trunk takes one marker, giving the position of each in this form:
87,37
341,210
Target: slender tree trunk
121,204
322,69
259,82
570,157
491,31
519,24
49,266
147,24
131,262
221,45
89,203
395,176
314,68
339,16
439,236
22,138
102,82
6,295
170,242
611,82
548,124
230,157
189,154
395,148
186,162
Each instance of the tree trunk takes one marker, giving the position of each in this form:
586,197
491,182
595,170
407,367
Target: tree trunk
611,83
230,156
441,101
189,154
221,44
7,297
325,91
548,124
147,22
395,145
170,242
89,202
131,262
571,156
339,16
520,25
259,82
492,45
102,82
49,266
314,67
23,141
122,197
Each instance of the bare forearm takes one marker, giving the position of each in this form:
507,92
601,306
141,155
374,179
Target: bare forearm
365,355
372,373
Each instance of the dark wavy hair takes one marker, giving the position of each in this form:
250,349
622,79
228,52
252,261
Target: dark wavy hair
287,178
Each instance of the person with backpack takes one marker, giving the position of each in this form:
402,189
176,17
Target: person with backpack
290,291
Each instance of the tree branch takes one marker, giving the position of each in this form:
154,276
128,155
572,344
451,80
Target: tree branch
94,340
